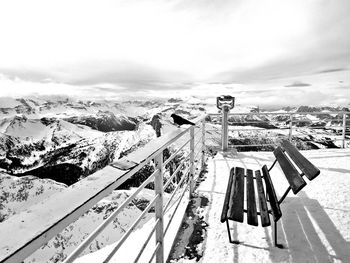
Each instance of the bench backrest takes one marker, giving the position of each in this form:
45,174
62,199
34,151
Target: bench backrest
289,163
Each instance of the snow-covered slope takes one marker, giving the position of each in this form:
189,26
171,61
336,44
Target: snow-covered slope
18,194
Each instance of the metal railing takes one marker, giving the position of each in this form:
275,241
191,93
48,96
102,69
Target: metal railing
192,137
291,125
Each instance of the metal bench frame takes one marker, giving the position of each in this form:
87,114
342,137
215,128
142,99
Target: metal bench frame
233,208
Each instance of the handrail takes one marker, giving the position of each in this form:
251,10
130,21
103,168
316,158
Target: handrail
55,216
283,113
292,120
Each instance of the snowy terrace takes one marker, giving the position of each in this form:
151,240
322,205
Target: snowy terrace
315,226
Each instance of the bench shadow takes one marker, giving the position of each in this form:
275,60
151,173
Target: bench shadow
327,156
308,234
338,170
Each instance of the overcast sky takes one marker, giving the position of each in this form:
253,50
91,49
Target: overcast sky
262,51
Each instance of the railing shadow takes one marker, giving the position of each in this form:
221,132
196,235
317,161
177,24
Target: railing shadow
308,234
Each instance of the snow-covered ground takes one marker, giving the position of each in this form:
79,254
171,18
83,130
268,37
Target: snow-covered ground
315,226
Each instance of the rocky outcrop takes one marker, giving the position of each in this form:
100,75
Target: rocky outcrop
105,121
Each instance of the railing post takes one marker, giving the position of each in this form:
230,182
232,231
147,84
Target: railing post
191,160
224,125
158,187
344,128
203,145
290,127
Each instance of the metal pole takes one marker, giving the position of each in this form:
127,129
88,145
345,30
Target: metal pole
158,187
290,127
224,124
344,128
275,234
191,160
203,144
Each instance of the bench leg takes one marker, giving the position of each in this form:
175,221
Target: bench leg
229,234
275,236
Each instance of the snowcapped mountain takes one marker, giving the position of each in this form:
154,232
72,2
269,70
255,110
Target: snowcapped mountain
65,139
38,146
47,144
105,121
60,136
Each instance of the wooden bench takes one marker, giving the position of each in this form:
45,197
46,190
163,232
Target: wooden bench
294,166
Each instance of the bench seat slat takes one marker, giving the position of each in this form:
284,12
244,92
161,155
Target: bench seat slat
304,164
264,214
276,211
251,203
236,203
227,196
295,181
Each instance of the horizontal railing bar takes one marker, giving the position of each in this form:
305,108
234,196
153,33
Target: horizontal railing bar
177,206
271,144
276,129
175,153
257,130
249,145
176,171
280,113
105,223
146,242
244,122
154,252
176,188
234,123
128,232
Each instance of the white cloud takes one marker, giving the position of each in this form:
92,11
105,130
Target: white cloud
150,45
52,35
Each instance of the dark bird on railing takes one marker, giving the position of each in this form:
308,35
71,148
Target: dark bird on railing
180,121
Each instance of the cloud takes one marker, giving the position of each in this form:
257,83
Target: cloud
152,46
298,84
172,41
117,74
33,75
332,70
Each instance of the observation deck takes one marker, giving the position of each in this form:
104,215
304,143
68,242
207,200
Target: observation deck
325,218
